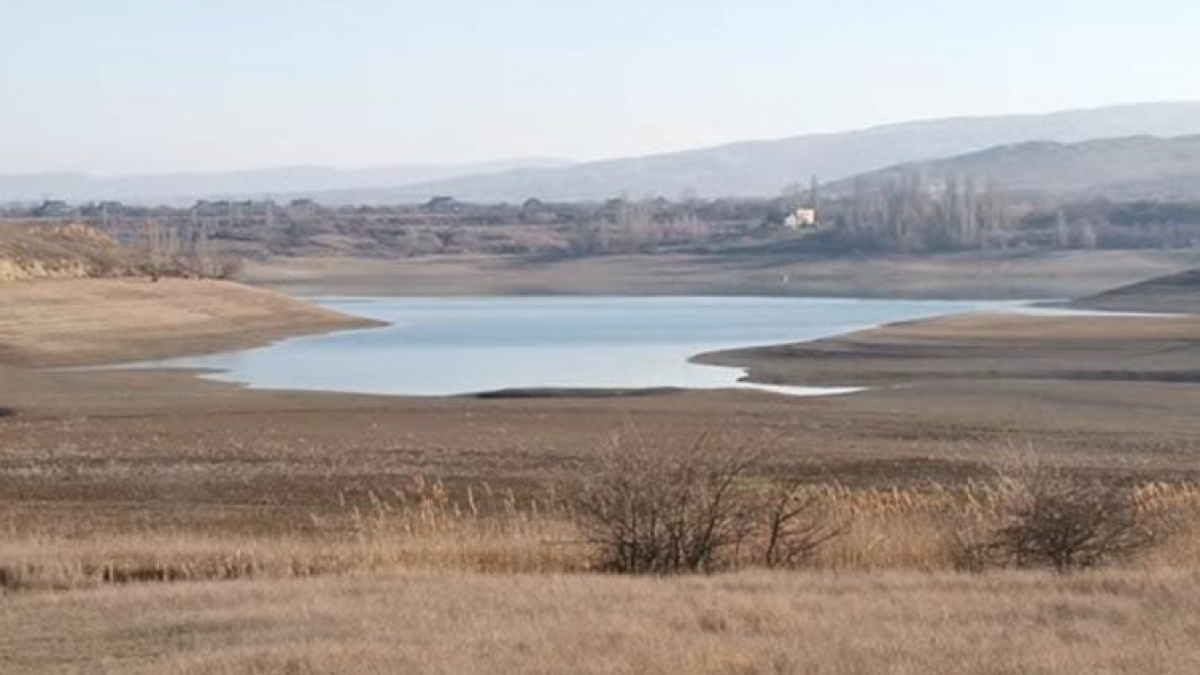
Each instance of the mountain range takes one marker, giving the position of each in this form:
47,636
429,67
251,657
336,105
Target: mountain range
763,168
998,145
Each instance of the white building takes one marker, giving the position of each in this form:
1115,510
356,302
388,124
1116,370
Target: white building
802,219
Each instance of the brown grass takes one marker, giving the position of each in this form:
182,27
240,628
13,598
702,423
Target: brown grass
1011,623
415,581
422,529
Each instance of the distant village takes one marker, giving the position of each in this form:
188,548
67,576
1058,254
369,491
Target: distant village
441,225
902,215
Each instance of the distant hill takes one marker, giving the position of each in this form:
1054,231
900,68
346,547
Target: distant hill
747,169
1176,293
763,168
184,188
1139,167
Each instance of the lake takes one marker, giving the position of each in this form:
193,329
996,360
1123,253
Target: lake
447,346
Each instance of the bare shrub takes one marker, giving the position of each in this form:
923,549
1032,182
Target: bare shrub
797,522
1052,519
670,509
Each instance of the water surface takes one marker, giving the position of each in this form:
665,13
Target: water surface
445,346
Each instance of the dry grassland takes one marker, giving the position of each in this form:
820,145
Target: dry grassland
424,529
1116,622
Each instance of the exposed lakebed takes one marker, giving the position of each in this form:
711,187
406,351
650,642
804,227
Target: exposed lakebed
450,346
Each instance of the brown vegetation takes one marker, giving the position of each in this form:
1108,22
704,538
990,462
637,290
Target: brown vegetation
421,583
700,520
693,507
1118,622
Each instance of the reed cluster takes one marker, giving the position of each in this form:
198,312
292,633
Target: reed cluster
424,526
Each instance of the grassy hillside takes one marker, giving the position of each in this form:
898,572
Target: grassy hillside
40,251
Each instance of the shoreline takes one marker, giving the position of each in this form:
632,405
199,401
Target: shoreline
738,376
103,322
972,345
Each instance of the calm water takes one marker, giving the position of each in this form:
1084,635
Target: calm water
442,346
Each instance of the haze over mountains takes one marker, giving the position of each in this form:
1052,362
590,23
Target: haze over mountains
183,187
763,168
1138,167
1024,151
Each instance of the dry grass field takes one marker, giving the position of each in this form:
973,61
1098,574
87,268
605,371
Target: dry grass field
423,527
421,583
1128,622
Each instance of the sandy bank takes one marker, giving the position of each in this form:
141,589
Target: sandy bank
89,321
986,347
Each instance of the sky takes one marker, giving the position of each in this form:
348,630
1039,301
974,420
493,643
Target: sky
152,86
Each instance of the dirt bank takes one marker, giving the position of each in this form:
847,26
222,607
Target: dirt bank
1176,293
989,275
986,348
88,321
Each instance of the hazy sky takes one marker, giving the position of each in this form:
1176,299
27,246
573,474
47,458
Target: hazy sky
118,86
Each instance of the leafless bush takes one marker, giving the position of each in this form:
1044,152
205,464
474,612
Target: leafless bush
1051,519
796,523
693,508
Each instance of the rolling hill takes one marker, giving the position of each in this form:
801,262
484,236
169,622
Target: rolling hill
1140,167
763,168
